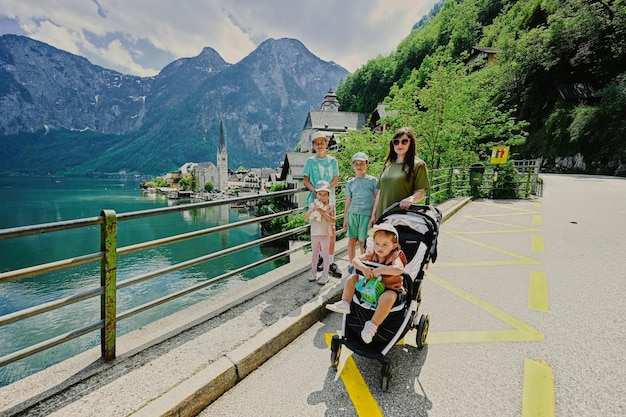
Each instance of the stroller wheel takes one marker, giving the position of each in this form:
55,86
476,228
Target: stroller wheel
422,331
385,373
335,351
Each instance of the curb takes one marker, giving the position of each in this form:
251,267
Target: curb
196,393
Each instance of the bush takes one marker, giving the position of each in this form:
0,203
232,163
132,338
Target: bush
507,184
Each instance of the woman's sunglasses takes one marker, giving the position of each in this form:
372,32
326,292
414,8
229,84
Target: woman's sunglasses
404,141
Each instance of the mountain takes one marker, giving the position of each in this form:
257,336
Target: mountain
61,114
41,86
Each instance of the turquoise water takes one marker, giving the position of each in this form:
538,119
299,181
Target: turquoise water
30,200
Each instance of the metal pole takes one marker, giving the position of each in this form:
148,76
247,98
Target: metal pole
530,171
428,191
108,280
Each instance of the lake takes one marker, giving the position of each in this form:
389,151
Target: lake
30,200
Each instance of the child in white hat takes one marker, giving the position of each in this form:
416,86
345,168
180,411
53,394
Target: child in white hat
386,262
360,194
321,214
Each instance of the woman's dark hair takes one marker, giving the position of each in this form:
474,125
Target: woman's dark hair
408,166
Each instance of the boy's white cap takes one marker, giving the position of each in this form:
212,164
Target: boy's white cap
318,135
383,226
322,185
360,156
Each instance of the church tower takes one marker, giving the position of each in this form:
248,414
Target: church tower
330,102
222,162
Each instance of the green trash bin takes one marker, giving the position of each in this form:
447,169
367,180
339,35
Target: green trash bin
476,172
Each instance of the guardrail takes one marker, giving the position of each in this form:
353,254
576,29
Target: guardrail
519,180
108,255
445,183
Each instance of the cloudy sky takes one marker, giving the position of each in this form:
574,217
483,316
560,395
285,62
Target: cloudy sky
140,37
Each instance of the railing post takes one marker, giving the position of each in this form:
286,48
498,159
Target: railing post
530,171
108,280
430,181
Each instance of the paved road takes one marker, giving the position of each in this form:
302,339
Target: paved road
527,319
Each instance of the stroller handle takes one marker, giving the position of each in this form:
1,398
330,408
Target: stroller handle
414,208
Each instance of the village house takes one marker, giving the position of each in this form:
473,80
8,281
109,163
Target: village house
207,171
292,175
480,55
330,121
380,113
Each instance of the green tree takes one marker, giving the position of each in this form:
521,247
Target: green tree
159,182
194,180
453,115
209,186
185,184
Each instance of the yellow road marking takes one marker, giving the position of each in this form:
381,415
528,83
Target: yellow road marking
518,259
538,394
536,204
360,394
505,207
522,332
538,291
484,336
515,226
538,390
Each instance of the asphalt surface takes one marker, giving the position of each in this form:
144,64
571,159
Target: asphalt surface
181,363
526,304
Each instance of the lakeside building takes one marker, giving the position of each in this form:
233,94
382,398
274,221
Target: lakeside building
331,122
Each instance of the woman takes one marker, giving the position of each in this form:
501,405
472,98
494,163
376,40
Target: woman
405,176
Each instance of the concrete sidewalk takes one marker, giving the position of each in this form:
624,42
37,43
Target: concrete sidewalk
180,364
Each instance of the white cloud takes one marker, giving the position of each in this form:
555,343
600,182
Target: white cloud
142,36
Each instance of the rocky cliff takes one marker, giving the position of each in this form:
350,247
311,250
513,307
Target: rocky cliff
109,122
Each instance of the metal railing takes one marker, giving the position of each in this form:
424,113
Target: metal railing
108,255
451,182
445,184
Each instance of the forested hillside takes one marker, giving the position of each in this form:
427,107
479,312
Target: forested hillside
556,90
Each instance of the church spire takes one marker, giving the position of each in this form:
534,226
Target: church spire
222,161
222,146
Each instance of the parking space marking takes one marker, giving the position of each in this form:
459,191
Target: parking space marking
538,291
514,227
538,390
538,380
358,391
521,332
518,259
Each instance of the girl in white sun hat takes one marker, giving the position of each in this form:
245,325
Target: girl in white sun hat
321,214
385,263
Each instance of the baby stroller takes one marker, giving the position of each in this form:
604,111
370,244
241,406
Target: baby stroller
418,228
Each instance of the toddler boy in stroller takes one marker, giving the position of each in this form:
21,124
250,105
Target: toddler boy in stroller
381,284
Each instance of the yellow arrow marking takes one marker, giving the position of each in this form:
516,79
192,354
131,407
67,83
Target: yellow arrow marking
360,394
538,390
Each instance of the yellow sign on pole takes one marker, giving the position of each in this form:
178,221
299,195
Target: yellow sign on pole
499,154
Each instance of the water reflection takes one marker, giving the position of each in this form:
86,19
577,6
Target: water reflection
80,198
